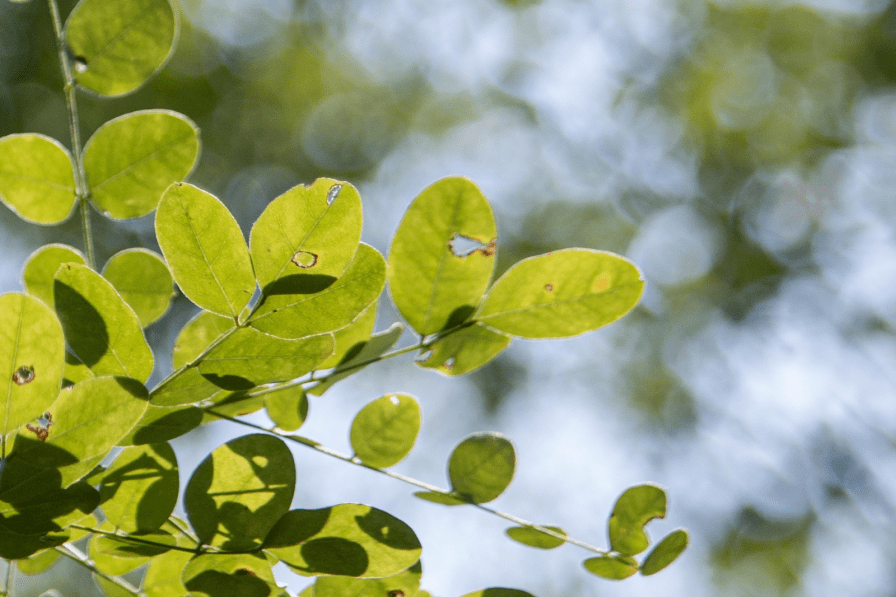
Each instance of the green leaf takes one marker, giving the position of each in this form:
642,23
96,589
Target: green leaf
249,358
161,424
139,490
287,408
443,255
188,387
14,546
119,46
37,178
205,250
464,350
131,160
143,281
354,361
102,551
481,466
163,575
351,339
38,563
231,404
440,498
307,231
299,306
100,328
41,267
197,335
498,592
32,351
560,294
75,371
344,540
137,547
535,538
385,430
635,507
404,583
616,567
240,490
665,552
230,575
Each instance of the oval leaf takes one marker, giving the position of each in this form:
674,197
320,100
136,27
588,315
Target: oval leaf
356,360
345,540
443,255
665,552
635,507
197,335
230,575
37,178
562,294
100,328
187,387
402,584
119,46
535,538
205,250
481,467
40,269
161,424
32,352
385,430
352,338
163,575
139,490
143,281
287,408
240,490
611,567
499,592
307,231
464,350
131,160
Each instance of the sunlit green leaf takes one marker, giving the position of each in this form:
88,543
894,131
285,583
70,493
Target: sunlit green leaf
440,498
40,269
100,328
287,408
37,179
350,339
32,350
231,575
75,371
231,404
615,567
188,387
300,306
535,538
144,545
385,430
240,491
481,466
161,424
665,552
163,575
38,563
143,281
102,552
635,507
464,350
345,540
197,335
139,490
564,293
358,359
205,250
119,46
307,231
498,592
443,255
404,583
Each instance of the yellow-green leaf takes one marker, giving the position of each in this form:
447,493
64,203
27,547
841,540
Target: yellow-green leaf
37,178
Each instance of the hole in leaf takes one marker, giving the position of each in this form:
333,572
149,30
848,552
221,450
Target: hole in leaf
42,429
449,364
80,64
394,400
333,193
424,356
23,375
464,246
304,259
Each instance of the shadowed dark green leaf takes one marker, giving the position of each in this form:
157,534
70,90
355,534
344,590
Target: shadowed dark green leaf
189,387
535,538
404,583
136,546
464,350
350,339
197,335
14,546
143,281
665,552
611,567
40,269
131,160
481,466
287,408
499,592
295,307
560,294
75,371
344,540
139,490
385,430
231,404
354,361
32,351
119,45
37,179
231,575
161,424
635,507
240,491
307,231
205,250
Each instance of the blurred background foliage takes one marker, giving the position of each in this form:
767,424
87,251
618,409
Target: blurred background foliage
742,153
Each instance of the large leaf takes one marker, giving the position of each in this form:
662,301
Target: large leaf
345,540
443,255
404,583
40,269
205,250
139,490
665,552
635,507
481,467
119,45
100,328
307,231
562,294
143,281
249,358
37,179
240,491
300,306
385,430
230,575
32,351
464,350
356,360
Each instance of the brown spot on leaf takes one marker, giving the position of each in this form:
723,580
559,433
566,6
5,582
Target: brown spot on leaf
395,593
304,259
601,282
42,429
24,375
549,287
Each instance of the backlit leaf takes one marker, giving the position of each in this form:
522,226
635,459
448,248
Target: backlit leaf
154,543
560,294
356,360
37,178
464,350
404,583
197,335
38,563
439,498
499,592
350,339
665,552
163,575
635,507
535,538
139,490
143,281
188,387
40,269
287,408
385,430
481,466
443,255
615,567
161,424
230,575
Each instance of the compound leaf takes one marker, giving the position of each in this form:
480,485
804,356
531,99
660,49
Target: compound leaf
665,552
385,430
635,507
37,178
142,279
41,266
482,466
139,490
